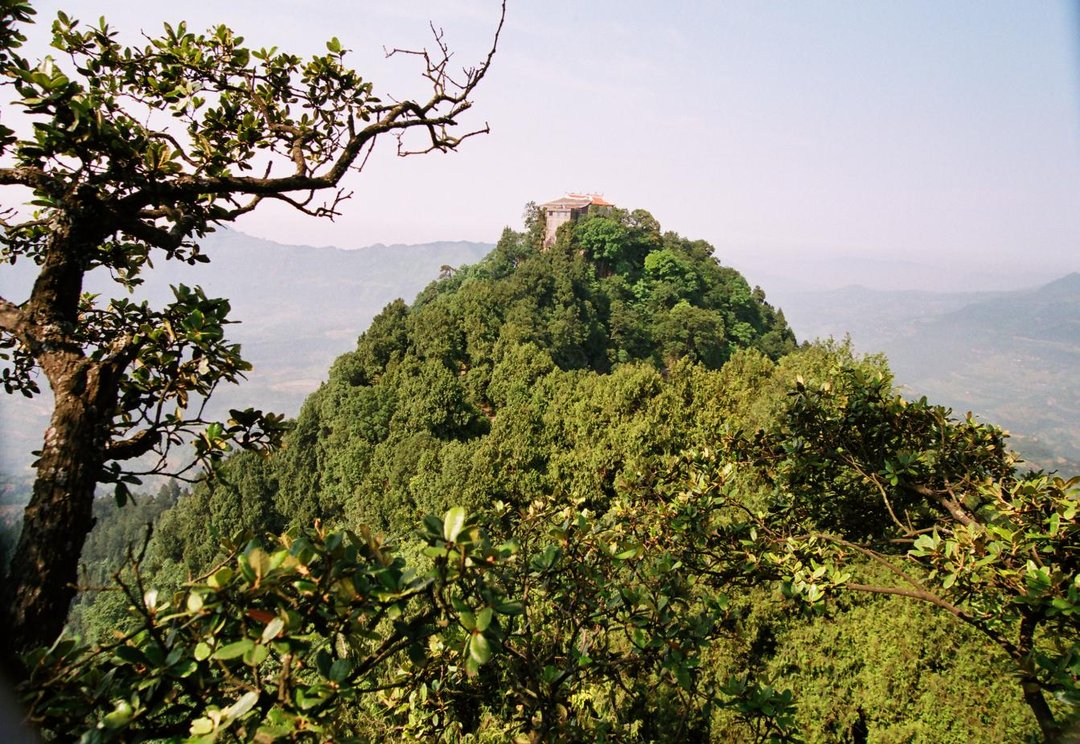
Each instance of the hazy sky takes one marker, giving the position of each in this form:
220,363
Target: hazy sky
925,131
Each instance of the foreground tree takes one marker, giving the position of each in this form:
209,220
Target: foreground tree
275,642
136,154
594,628
864,479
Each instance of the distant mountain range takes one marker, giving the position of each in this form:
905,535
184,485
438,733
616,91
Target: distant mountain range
1009,356
298,308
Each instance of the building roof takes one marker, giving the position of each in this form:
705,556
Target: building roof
578,201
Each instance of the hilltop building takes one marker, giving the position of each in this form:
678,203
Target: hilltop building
569,207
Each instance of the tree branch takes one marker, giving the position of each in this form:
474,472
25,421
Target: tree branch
23,176
397,118
13,320
880,559
881,489
166,239
135,446
949,504
925,596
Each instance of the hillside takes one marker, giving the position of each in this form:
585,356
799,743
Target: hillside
417,406
967,350
1010,357
635,466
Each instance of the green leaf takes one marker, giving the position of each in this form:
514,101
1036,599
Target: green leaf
513,607
273,629
471,666
453,522
340,670
256,655
122,494
433,526
220,578
201,726
479,649
483,619
246,702
682,676
234,650
306,586
194,602
120,715
433,551
131,655
312,696
323,663
259,562
183,668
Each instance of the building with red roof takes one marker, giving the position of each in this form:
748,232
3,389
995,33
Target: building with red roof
569,207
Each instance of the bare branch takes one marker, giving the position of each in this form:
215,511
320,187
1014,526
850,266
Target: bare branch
396,118
853,463
1008,646
920,594
327,209
442,145
244,208
19,227
879,559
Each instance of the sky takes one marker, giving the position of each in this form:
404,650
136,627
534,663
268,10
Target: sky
936,134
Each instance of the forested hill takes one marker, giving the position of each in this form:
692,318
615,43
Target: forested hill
414,416
625,436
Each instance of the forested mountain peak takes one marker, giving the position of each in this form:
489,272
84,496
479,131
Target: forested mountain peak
612,288
413,414
663,476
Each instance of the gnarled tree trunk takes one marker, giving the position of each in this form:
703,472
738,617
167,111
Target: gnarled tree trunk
43,573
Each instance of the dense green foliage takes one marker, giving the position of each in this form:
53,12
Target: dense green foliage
660,520
272,643
859,473
493,384
696,539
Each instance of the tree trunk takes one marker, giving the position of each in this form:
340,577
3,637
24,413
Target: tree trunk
1033,696
43,573
1029,681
